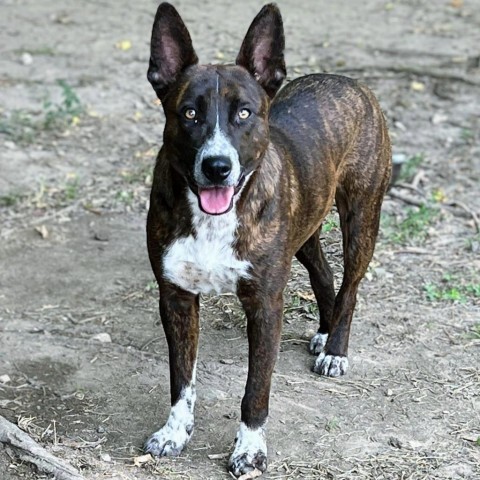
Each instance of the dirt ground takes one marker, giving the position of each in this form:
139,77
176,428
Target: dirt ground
79,131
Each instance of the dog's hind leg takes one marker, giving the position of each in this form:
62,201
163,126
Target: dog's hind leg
311,256
359,211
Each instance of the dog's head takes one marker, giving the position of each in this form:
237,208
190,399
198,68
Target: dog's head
216,130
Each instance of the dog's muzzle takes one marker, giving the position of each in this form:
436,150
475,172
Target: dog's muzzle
218,198
217,174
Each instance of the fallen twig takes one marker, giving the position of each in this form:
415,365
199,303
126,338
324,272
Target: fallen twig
464,207
414,251
455,207
410,187
30,451
405,199
149,342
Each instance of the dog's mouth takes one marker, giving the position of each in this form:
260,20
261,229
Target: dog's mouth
218,200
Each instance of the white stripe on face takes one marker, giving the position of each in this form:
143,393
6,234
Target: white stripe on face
218,144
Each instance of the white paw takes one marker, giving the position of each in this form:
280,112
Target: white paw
330,365
168,441
171,439
250,451
318,342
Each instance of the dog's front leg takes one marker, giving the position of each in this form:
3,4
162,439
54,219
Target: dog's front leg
179,314
264,324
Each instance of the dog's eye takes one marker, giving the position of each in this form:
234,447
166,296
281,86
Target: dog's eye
243,114
190,114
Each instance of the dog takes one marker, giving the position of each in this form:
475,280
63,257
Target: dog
246,174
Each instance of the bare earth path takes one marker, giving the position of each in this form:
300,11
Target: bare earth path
79,131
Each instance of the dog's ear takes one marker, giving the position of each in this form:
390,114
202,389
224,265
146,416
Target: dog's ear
262,49
171,49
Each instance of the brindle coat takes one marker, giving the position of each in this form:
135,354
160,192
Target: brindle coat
322,138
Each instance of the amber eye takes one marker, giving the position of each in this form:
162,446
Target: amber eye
243,114
190,114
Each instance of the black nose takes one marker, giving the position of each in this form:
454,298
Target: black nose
216,169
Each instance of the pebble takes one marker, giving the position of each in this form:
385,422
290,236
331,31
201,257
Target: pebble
105,457
438,118
26,58
5,379
395,442
101,236
102,337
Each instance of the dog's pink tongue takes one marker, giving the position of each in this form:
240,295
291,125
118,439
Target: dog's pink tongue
216,200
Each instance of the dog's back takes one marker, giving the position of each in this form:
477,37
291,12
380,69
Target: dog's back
328,120
323,125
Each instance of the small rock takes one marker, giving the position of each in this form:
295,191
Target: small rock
101,236
389,392
42,231
102,337
395,442
105,457
101,429
309,333
5,379
10,145
226,361
417,86
438,118
26,58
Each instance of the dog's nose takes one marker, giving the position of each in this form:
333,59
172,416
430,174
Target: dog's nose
216,169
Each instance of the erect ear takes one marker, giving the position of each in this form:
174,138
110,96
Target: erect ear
262,49
171,49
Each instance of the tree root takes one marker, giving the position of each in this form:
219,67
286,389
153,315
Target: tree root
30,451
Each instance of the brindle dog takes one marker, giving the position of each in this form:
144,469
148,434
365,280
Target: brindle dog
242,184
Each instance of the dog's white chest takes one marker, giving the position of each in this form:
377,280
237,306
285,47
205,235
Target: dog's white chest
205,261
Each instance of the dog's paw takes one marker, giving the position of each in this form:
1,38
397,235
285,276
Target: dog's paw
169,441
330,365
317,343
250,451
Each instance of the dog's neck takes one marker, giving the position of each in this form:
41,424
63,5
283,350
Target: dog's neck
260,188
